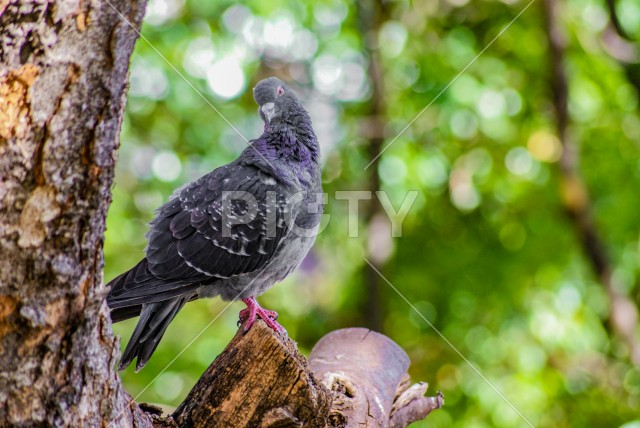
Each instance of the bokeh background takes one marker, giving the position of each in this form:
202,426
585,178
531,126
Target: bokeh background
527,222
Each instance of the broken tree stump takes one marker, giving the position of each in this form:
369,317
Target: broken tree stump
259,380
355,377
367,374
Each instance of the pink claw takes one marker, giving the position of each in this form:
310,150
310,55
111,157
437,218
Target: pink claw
254,310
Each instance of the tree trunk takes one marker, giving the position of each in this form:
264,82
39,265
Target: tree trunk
63,74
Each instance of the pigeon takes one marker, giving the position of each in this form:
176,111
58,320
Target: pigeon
233,232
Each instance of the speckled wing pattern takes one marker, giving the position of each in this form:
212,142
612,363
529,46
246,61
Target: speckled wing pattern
187,247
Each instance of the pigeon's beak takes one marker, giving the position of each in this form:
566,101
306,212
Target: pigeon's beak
267,110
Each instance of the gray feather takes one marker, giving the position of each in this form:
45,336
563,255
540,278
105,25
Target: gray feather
190,254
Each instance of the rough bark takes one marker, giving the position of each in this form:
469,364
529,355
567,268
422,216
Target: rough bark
355,378
259,380
63,74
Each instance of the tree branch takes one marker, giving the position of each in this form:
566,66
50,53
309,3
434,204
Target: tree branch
615,21
260,379
411,405
355,377
371,15
623,318
617,43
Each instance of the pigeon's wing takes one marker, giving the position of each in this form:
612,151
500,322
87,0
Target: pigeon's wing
229,222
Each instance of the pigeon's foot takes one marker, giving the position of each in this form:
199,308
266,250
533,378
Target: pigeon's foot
253,311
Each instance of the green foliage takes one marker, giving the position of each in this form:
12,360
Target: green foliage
487,254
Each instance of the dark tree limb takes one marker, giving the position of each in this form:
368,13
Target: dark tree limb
623,317
355,377
372,14
620,46
615,21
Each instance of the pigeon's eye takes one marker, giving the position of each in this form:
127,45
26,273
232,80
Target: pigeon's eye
280,90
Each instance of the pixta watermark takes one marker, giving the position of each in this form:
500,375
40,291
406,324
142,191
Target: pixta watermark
302,213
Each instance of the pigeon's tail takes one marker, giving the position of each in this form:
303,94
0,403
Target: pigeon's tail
139,292
154,320
121,314
139,286
121,308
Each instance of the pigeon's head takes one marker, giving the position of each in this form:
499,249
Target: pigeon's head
277,102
